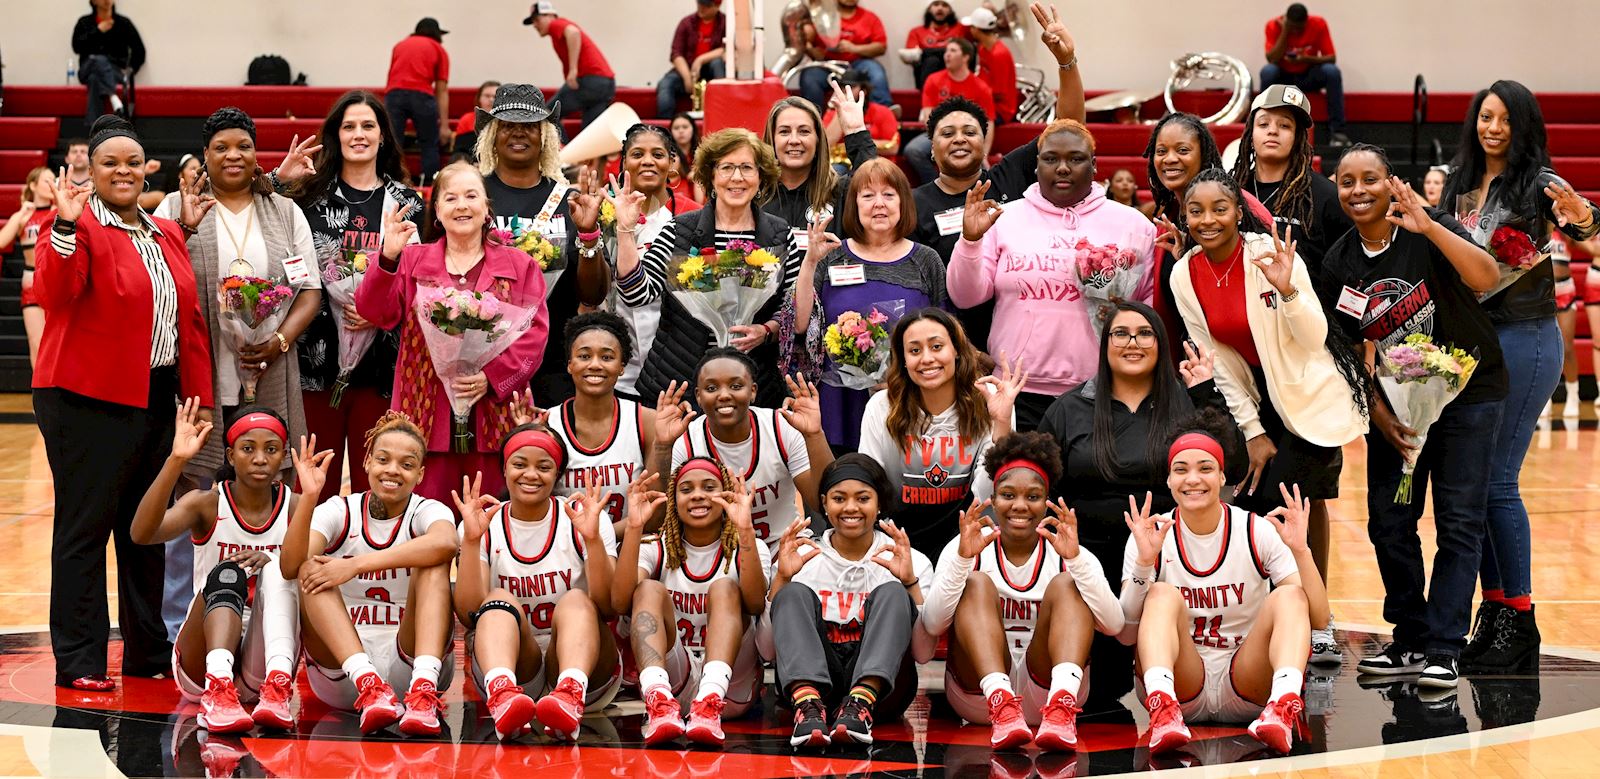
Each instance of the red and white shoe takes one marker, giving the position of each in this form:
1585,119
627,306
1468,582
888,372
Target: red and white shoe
705,721
509,707
1009,729
1167,731
1278,723
1058,724
377,703
562,710
664,720
220,711
221,756
272,711
422,710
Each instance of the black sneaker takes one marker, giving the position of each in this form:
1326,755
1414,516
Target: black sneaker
1438,671
854,721
1392,660
1485,626
810,725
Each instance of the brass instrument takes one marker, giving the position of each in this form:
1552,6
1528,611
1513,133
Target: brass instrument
1223,72
820,14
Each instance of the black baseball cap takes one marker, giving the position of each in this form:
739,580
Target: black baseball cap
429,26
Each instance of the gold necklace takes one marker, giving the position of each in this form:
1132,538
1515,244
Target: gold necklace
240,266
1223,279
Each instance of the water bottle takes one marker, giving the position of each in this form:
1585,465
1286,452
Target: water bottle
72,70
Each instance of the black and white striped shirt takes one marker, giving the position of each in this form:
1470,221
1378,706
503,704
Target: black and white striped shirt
648,282
164,334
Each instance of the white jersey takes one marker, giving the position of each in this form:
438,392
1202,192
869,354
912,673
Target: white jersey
688,583
613,465
1021,588
376,599
231,534
1224,576
769,466
843,585
538,561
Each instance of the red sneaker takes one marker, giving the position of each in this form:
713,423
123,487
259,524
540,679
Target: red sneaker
377,704
1167,731
422,710
1010,730
1278,723
221,756
664,719
93,683
220,711
1058,724
509,707
562,710
272,711
705,721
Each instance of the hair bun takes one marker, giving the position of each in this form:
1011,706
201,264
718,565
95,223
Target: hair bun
108,122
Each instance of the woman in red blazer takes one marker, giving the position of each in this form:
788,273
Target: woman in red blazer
123,339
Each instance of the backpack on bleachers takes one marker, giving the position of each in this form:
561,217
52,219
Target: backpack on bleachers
270,70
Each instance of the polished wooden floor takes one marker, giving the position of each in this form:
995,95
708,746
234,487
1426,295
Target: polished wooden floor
1561,486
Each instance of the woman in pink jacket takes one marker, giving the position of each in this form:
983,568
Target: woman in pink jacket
1029,266
464,258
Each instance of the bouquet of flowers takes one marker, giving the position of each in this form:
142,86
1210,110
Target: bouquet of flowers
530,241
1106,274
1420,378
464,330
858,346
250,310
724,288
341,275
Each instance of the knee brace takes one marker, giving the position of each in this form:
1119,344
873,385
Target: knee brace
488,606
226,588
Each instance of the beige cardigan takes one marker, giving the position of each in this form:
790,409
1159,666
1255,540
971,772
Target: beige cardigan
1310,395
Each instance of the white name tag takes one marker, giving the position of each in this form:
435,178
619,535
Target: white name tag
949,222
801,238
295,268
847,275
1353,303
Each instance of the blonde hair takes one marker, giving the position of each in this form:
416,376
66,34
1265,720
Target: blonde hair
724,142
672,526
395,422
1067,126
33,178
549,150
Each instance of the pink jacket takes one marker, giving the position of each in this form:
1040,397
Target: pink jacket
385,299
1027,264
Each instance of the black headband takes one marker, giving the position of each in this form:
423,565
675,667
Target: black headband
839,472
113,132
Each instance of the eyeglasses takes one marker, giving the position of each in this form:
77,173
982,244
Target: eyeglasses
731,171
1144,338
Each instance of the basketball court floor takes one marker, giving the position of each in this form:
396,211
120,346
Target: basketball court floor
1541,727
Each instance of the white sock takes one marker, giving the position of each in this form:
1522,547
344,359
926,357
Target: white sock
116,103
1065,677
278,608
714,678
1572,396
995,681
653,677
1159,680
496,673
282,663
219,663
578,676
1286,681
426,669
358,665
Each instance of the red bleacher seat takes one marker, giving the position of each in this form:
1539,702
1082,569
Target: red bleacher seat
1581,172
10,197
29,132
275,134
14,165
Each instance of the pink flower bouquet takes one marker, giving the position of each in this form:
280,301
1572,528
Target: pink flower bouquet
464,330
1420,378
249,310
341,275
1106,274
857,346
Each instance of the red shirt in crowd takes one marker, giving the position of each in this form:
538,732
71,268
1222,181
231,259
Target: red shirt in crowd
1227,315
881,122
861,28
997,67
934,37
940,87
468,123
416,63
696,36
1314,40
590,61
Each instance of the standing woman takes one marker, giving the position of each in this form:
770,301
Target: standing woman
1275,165
354,183
808,189
116,286
29,223
738,169
877,268
1501,184
1028,265
465,258
931,425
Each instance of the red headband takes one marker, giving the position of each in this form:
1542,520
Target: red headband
1025,464
1201,441
700,464
256,421
539,439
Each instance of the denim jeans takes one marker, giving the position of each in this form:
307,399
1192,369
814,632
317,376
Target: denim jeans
1458,451
814,84
423,111
592,97
670,89
1324,78
101,76
1533,352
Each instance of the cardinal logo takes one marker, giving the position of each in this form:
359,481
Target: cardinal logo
936,476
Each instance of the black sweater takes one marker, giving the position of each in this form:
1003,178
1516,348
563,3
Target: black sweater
121,44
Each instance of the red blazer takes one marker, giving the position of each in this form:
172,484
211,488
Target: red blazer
100,313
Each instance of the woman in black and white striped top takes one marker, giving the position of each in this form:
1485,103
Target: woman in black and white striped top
739,171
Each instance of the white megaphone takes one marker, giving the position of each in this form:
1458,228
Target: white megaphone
603,136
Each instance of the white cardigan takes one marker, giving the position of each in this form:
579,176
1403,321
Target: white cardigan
1310,395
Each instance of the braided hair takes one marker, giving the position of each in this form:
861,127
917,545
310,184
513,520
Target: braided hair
1292,201
672,526
1167,201
395,422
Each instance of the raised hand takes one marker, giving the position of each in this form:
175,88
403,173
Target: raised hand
70,198
523,412
627,203
899,564
1054,34
1168,237
850,106
971,525
584,206
643,501
310,466
194,201
397,233
979,214
1148,532
1261,450
191,434
736,505
1279,268
1567,206
794,551
1004,389
819,242
1407,208
297,163
1061,530
803,410
1198,366
673,413
585,510
1292,518
474,508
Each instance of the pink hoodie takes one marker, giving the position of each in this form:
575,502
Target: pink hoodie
1027,264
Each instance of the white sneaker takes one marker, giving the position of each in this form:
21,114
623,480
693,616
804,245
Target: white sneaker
1325,648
